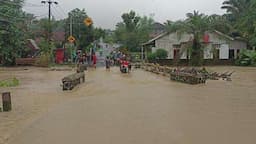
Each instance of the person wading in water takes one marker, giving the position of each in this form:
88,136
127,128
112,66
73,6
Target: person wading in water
94,60
108,62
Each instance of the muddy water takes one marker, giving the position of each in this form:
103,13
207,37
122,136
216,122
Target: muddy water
141,107
38,90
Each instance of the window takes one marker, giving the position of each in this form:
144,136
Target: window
216,46
176,46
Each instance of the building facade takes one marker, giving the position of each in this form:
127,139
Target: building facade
216,45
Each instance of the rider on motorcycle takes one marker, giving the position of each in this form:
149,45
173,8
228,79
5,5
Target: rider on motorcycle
125,65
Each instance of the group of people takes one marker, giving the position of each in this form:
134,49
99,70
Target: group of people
118,59
84,58
117,56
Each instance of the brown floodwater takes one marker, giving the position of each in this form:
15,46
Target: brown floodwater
137,108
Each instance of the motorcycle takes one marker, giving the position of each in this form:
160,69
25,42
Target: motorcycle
125,67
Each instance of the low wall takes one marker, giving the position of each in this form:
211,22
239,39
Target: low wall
171,62
26,61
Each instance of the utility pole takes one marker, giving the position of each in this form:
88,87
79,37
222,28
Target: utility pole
71,34
50,2
70,26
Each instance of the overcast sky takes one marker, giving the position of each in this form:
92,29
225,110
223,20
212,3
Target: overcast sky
106,13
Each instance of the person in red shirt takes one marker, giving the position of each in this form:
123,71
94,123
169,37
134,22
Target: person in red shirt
125,65
94,60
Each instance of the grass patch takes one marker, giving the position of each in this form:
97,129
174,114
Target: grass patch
13,82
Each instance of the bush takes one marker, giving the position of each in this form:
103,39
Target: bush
247,58
161,54
152,56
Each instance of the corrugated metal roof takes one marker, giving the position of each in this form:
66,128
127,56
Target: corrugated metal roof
156,38
217,32
34,44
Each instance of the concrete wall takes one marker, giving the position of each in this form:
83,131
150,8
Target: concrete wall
167,42
238,45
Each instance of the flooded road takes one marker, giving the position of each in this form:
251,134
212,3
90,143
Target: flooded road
143,108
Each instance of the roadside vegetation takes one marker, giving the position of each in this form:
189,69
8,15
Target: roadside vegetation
12,82
159,54
247,58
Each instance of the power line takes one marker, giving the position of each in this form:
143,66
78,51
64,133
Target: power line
49,2
62,10
55,14
41,15
33,5
58,12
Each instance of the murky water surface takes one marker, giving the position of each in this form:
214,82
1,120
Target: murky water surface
136,108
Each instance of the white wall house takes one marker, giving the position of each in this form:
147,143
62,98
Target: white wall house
216,45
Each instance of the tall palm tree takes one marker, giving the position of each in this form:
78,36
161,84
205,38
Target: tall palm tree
197,24
242,14
220,23
236,8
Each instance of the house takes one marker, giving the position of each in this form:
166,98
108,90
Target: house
58,36
33,48
216,45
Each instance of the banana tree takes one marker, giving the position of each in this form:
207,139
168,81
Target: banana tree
247,57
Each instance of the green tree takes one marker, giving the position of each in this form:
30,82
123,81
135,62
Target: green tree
131,21
242,15
220,23
12,30
99,33
145,27
84,35
133,31
236,8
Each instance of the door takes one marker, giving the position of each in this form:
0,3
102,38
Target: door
59,56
